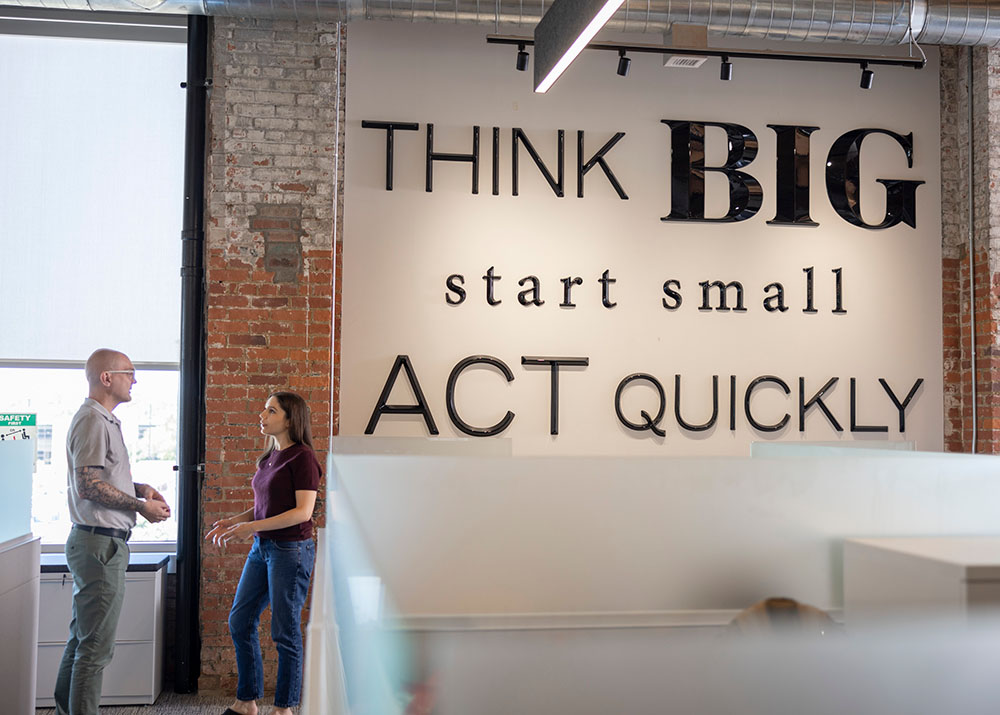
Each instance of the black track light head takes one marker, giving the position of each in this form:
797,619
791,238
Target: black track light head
522,58
624,64
726,69
867,76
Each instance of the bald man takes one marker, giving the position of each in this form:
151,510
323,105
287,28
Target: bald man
103,503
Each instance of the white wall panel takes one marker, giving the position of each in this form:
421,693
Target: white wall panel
400,246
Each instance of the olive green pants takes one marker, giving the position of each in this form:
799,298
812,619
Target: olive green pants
98,565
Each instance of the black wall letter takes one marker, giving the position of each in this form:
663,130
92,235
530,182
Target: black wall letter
597,159
568,283
606,281
490,280
687,172
554,363
746,403
421,408
901,406
433,156
389,128
651,423
855,427
455,283
792,175
534,292
557,186
677,406
706,287
776,301
843,175
816,400
450,396
670,289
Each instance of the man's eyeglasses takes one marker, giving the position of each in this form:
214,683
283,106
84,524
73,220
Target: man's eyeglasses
121,372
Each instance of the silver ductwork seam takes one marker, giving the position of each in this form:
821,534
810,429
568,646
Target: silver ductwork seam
867,22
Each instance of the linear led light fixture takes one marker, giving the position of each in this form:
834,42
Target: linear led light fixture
864,60
564,30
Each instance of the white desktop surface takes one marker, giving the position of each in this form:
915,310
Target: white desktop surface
978,556
950,578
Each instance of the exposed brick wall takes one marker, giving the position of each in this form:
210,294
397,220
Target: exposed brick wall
985,254
270,262
988,265
955,267
338,272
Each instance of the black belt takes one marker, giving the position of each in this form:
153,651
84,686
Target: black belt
124,534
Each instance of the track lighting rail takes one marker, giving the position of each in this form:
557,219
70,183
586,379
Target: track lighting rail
913,62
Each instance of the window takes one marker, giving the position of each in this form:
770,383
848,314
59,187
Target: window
54,395
44,450
92,135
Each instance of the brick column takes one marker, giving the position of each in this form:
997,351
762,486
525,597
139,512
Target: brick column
984,254
988,270
270,273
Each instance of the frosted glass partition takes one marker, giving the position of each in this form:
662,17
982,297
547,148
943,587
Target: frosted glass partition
375,662
460,543
834,449
485,535
415,446
16,466
917,671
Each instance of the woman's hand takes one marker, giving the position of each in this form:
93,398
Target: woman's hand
236,532
218,529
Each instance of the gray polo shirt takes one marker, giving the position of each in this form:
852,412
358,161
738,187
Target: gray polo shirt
95,440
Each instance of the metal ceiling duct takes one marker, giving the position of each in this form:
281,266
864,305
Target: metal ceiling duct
869,22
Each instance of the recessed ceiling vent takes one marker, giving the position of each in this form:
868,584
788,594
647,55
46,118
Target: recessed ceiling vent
685,61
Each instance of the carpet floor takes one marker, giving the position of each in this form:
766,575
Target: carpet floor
170,704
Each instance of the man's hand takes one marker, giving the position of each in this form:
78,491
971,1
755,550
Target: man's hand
147,492
154,510
157,509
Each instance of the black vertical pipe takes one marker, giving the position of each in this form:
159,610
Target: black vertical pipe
191,412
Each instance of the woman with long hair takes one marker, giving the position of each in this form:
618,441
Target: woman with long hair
280,562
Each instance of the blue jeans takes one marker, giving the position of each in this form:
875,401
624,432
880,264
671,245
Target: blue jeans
275,572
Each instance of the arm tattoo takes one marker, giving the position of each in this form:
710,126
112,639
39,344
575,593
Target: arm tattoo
89,485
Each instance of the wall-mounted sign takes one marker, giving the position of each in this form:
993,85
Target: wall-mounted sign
662,264
688,170
17,426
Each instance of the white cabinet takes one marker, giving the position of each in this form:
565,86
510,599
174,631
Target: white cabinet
135,674
18,621
950,579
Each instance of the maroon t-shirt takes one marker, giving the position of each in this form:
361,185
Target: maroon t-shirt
277,479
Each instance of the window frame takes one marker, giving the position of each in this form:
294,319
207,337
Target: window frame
108,26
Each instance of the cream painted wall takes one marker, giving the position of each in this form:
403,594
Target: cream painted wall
400,246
